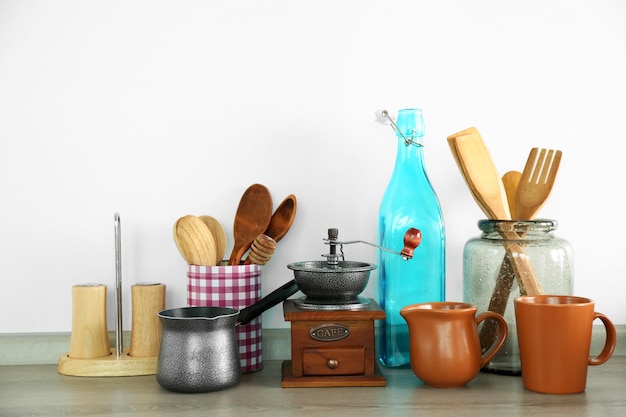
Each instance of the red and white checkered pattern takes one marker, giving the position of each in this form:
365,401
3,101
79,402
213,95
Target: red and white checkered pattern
233,287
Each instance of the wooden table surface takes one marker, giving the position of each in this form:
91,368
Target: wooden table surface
38,390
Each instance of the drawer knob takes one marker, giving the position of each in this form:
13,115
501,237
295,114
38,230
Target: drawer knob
332,363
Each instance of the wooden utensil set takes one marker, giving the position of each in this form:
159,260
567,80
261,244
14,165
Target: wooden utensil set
201,240
515,196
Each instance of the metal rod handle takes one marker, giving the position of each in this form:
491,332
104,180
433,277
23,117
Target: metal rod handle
118,286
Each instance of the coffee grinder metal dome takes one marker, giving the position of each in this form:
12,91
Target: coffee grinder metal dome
335,284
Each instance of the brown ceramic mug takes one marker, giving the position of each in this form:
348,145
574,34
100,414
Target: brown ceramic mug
554,335
443,342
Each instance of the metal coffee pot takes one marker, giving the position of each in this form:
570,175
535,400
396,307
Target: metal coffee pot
199,350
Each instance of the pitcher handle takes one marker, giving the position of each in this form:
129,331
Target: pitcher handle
609,343
503,331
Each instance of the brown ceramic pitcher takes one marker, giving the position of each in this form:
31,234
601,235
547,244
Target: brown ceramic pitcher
443,342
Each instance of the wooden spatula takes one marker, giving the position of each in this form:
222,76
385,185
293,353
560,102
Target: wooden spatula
482,176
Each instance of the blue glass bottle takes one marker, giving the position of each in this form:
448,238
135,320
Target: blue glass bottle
409,201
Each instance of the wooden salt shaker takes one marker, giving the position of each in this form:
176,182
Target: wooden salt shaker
148,299
90,338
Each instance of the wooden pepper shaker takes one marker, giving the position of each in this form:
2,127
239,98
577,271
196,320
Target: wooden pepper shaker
148,299
90,338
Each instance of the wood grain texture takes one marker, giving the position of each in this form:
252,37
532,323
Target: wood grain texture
90,337
252,218
38,390
536,182
510,180
146,330
261,250
219,235
107,366
349,360
194,241
481,176
283,218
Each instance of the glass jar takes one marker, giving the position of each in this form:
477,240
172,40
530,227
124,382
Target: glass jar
491,283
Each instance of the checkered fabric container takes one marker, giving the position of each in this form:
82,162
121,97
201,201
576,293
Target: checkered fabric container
233,287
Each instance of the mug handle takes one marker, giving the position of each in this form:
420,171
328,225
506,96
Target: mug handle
609,343
503,331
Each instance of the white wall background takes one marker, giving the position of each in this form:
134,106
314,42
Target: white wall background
157,109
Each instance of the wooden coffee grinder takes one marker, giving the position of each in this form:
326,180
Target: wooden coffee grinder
332,327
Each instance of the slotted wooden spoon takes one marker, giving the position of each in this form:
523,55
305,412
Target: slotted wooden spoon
536,181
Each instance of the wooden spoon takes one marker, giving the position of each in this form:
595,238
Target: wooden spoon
282,219
218,234
510,180
194,241
280,223
252,218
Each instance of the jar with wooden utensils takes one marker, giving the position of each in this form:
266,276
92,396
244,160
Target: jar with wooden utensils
491,283
516,254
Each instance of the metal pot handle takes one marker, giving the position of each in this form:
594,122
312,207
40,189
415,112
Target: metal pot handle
278,295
